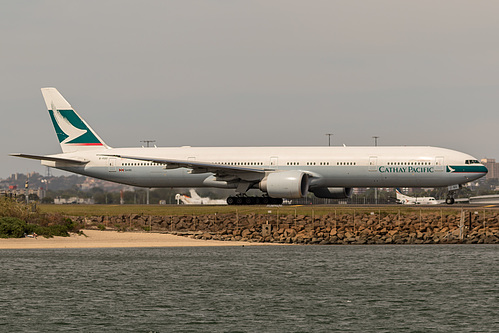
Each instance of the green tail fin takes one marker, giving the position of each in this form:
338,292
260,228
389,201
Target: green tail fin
73,132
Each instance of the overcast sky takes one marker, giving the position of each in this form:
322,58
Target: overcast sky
251,73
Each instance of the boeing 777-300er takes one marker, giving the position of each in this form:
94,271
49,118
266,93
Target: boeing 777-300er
279,172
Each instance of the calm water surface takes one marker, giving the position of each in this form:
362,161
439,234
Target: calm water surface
442,288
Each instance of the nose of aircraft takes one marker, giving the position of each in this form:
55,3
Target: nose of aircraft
479,170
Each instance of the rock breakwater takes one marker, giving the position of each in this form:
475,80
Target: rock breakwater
426,228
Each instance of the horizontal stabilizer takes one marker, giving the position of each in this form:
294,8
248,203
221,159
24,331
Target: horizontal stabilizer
51,158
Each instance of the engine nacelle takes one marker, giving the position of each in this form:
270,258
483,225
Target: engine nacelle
287,184
332,192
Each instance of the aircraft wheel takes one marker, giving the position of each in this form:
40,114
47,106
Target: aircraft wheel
276,201
239,201
230,201
248,200
449,201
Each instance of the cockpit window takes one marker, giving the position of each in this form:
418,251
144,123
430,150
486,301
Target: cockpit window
472,162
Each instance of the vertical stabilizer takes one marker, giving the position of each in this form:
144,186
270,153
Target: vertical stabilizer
73,133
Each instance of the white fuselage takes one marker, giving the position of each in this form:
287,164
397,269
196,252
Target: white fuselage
407,200
329,166
195,199
279,172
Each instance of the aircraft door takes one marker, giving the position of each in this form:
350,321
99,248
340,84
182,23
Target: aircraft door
439,163
273,161
111,164
373,163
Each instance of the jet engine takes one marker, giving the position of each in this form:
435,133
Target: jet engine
332,192
287,184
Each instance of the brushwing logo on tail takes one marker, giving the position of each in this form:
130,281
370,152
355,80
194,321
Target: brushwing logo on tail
70,129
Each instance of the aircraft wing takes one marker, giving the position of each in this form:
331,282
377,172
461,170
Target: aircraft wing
222,171
51,158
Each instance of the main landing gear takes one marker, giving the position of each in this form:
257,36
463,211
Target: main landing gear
243,200
450,195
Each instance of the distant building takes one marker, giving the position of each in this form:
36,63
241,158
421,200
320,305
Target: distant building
41,193
492,166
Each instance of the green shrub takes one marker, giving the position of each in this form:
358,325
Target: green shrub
12,227
17,219
62,228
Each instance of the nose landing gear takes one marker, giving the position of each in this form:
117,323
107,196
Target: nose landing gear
450,195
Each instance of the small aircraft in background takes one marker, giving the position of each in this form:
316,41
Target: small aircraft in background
407,200
195,199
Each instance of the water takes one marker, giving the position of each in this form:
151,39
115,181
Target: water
442,288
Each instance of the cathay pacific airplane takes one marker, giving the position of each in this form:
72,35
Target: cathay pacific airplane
279,172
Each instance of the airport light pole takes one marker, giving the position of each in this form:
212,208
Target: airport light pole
329,137
147,142
375,189
46,184
26,191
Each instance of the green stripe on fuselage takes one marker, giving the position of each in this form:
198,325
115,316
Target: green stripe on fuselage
467,168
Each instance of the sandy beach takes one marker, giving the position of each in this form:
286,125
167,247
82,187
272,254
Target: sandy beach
103,239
